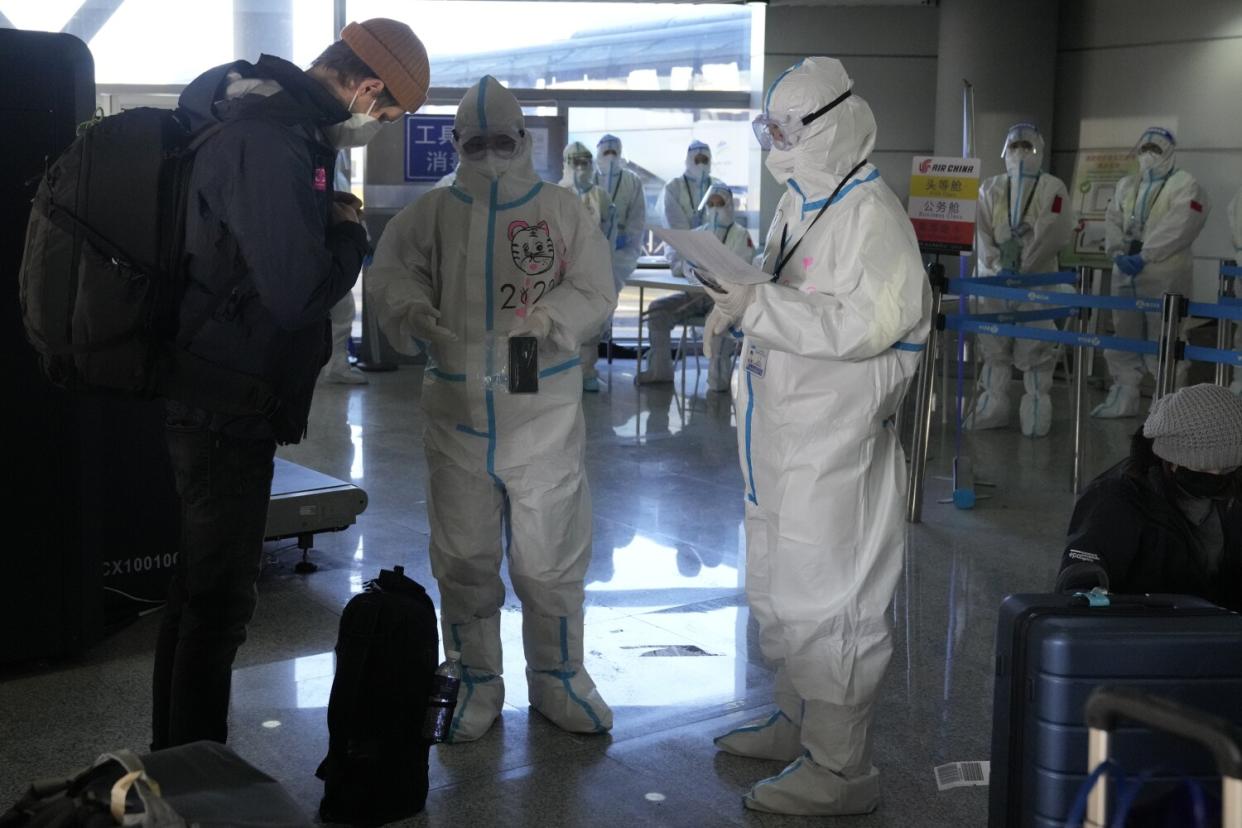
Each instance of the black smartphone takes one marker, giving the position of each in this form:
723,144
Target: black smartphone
523,365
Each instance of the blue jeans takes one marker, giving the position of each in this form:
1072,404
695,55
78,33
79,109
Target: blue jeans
224,485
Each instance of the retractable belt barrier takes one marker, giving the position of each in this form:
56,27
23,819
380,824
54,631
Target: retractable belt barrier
976,287
1085,340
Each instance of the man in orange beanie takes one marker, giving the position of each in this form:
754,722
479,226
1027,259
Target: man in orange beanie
270,248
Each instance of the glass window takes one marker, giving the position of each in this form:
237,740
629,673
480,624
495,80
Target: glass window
576,45
160,42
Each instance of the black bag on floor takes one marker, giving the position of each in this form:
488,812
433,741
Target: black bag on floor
386,654
1052,650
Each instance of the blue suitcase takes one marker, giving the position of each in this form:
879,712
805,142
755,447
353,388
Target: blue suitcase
1053,650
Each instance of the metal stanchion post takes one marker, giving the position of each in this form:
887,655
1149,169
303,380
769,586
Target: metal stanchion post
1224,327
1170,343
1080,382
922,402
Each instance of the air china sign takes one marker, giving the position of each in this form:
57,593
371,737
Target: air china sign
943,196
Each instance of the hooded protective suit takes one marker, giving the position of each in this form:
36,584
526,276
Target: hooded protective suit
830,348
454,274
580,180
625,189
667,312
1151,223
1023,221
683,194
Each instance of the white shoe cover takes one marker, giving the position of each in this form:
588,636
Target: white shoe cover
1122,401
1035,413
773,737
569,700
1235,387
805,788
479,702
653,377
991,411
339,371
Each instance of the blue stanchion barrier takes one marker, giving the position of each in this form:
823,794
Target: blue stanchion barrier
1231,271
1070,300
1066,277
1215,311
1230,300
1022,316
1111,343
1194,353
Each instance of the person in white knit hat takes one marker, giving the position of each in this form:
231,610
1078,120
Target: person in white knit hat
1167,518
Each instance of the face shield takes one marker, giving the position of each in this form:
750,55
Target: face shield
1154,150
579,166
783,130
1023,151
717,206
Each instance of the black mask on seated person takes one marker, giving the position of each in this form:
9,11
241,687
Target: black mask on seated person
1205,484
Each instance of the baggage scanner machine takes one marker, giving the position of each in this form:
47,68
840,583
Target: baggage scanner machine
306,502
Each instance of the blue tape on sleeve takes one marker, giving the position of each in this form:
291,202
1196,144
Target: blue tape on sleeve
1111,343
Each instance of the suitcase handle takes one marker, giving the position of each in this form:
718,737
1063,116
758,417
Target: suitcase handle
1107,706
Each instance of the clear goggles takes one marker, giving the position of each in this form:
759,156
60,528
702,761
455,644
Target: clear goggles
783,132
474,146
580,162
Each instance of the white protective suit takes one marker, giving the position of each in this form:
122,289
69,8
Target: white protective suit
625,189
664,314
595,199
830,349
683,194
454,274
1023,221
1235,229
1156,214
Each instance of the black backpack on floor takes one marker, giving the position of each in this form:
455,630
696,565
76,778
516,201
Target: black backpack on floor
102,273
386,658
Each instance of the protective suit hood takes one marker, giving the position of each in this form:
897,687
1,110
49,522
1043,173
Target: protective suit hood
578,181
832,144
489,107
700,176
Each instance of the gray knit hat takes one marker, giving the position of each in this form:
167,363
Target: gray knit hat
1199,427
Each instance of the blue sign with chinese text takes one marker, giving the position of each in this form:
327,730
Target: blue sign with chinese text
429,153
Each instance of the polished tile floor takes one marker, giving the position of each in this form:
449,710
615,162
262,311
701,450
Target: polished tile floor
669,637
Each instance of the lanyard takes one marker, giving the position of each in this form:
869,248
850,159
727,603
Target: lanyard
1149,204
782,258
1026,208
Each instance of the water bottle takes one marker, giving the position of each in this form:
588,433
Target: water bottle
443,699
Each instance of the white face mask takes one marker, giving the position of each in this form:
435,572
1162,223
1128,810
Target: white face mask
703,170
609,165
492,165
1147,160
716,217
780,163
355,131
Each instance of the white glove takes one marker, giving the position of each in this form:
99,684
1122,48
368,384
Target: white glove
717,325
536,323
732,300
422,322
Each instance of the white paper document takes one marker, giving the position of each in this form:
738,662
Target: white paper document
710,258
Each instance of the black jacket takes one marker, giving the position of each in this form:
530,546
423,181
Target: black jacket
265,266
1128,522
